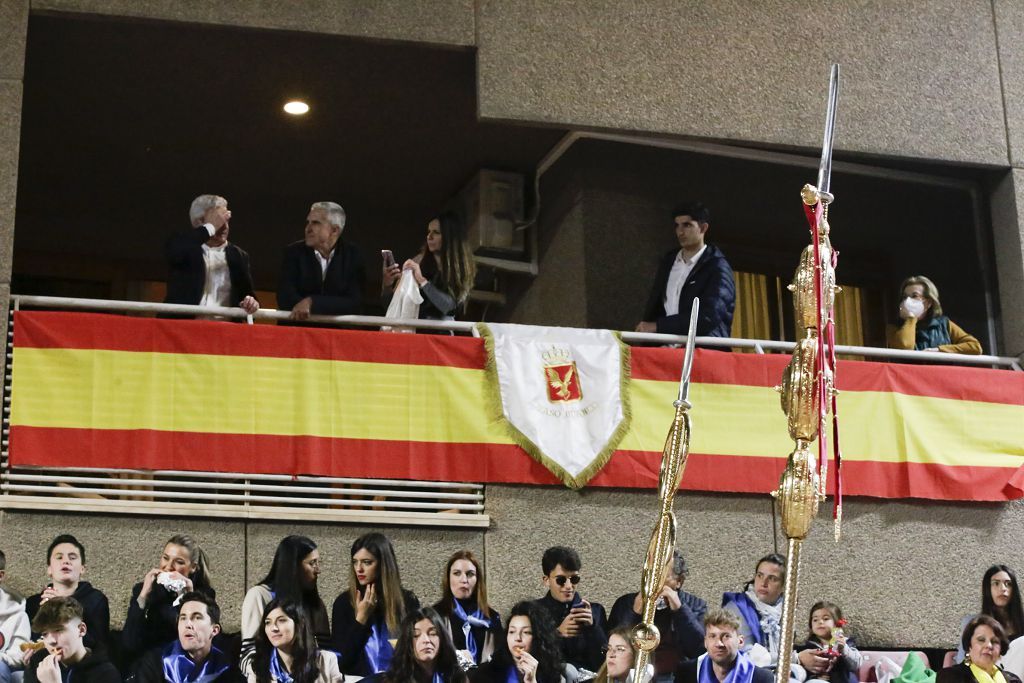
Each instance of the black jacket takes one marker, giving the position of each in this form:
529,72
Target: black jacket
486,639
582,650
958,673
687,673
186,275
339,291
96,613
682,631
95,667
349,637
154,626
150,669
711,280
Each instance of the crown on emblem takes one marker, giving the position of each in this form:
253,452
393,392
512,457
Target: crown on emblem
556,356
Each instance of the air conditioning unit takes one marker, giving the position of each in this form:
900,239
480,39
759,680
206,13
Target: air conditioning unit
492,203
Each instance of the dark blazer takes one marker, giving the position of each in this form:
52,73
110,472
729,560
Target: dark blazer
186,274
337,292
687,673
961,673
710,280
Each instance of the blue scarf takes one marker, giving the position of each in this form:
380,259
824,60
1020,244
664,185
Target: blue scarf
513,675
933,334
749,612
277,670
378,650
477,618
179,667
742,670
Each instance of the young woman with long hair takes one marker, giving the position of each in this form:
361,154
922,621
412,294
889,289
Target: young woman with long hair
619,658
471,623
365,615
293,576
1000,599
152,618
286,650
424,652
529,653
444,269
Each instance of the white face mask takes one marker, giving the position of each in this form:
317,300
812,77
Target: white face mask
914,306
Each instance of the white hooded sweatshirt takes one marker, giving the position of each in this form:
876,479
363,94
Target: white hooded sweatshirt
14,629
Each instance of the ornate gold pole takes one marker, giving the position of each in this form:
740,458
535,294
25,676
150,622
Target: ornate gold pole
659,550
807,384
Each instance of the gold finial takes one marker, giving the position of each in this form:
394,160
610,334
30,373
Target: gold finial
809,194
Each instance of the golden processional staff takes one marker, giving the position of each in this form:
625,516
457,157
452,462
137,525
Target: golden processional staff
808,382
659,551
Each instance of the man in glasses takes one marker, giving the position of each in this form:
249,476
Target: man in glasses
581,624
679,617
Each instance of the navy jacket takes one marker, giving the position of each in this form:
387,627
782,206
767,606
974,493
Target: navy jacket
711,280
186,274
682,631
338,292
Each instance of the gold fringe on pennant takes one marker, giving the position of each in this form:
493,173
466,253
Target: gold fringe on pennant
492,394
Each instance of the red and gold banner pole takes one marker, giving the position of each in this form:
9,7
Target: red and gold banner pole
808,384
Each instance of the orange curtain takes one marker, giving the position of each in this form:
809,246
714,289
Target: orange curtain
751,320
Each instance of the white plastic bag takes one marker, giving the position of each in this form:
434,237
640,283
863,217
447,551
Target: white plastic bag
405,304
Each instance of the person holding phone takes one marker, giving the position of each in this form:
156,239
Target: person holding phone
580,623
444,269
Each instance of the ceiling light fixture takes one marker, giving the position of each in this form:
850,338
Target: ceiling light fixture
296,107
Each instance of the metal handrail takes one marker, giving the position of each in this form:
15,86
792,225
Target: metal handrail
758,345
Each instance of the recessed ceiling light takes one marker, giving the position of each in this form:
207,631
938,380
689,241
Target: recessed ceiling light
296,107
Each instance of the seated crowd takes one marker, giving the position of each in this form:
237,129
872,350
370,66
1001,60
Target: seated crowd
379,630
323,274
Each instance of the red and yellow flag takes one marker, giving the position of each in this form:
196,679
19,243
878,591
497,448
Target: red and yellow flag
116,392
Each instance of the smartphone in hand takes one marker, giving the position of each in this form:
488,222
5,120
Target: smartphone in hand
389,258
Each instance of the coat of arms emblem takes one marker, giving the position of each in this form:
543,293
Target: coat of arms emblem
561,376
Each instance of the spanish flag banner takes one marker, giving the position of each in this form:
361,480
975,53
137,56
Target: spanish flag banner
107,391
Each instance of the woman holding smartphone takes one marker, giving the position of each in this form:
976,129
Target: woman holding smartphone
443,269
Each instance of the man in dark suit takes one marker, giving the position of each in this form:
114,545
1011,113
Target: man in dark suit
203,267
696,269
723,661
322,274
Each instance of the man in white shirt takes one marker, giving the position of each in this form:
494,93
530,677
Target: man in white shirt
322,274
204,268
696,269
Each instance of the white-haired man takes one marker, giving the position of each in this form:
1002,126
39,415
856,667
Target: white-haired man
322,274
203,267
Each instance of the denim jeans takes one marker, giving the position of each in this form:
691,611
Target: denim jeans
5,672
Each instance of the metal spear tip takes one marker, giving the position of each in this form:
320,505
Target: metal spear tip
684,381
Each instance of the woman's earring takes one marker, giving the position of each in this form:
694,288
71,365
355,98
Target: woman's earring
967,659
